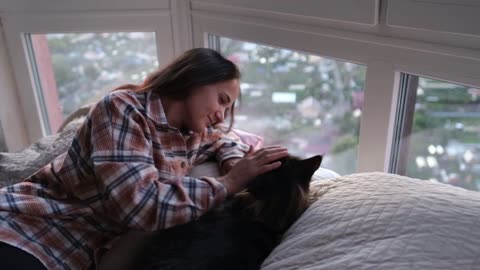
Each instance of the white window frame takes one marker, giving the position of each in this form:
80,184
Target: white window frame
385,57
16,25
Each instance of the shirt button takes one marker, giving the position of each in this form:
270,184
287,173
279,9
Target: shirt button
182,164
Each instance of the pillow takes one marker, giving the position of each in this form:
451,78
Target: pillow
383,221
15,167
249,138
322,174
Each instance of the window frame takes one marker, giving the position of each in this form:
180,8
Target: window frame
403,123
405,132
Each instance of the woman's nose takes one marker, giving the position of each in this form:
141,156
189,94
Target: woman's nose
219,117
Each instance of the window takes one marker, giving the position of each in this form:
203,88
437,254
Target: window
76,69
308,103
438,136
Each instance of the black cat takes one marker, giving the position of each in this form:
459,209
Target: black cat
243,231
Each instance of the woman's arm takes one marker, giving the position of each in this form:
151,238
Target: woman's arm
133,191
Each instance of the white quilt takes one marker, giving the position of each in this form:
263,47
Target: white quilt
383,221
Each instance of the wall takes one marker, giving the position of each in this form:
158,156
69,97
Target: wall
11,116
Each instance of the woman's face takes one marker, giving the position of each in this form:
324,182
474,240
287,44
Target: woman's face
210,104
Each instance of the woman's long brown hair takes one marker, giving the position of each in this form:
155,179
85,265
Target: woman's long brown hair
194,68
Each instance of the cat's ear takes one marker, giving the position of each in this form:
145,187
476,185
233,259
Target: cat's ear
309,166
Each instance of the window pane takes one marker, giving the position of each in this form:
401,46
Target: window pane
76,69
444,142
310,104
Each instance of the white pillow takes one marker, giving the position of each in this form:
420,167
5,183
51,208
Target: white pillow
383,221
322,174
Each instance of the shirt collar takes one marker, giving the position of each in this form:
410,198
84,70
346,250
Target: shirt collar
156,112
154,108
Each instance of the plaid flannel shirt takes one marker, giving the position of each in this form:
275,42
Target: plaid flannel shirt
125,169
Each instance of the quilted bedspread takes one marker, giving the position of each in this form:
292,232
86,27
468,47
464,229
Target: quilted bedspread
383,221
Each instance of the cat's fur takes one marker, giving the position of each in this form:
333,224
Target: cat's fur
243,231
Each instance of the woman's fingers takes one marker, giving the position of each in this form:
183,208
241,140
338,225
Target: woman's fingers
253,164
270,166
266,159
267,164
273,157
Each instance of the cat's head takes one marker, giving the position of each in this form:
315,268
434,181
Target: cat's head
277,198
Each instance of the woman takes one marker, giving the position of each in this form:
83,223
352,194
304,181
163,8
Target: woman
126,167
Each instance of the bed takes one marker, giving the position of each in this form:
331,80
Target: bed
358,221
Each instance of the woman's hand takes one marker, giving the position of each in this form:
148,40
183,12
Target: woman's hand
251,165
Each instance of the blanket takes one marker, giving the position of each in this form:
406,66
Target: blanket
14,167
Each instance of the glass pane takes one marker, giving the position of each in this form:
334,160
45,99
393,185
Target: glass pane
76,69
308,103
444,144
